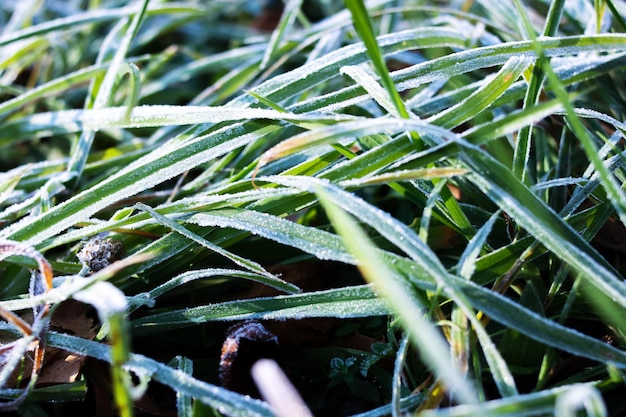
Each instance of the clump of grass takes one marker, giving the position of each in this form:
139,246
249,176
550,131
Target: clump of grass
466,159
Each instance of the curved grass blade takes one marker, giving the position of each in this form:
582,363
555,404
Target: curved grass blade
190,276
68,121
467,263
55,86
238,260
432,346
228,402
349,302
162,164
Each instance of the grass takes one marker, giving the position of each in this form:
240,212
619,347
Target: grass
438,188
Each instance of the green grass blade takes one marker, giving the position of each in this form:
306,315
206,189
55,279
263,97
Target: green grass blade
484,96
227,401
146,172
349,302
363,26
190,276
286,24
237,260
467,263
432,346
102,90
528,404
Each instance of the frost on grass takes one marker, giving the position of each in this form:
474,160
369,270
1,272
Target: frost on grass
323,245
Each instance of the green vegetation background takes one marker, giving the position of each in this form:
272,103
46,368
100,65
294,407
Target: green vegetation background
431,193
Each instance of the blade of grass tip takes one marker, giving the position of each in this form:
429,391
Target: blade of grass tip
428,210
267,102
103,89
467,263
365,80
363,26
292,8
184,403
238,260
432,346
135,87
396,411
275,106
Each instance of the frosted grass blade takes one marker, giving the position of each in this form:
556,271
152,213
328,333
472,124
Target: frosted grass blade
286,24
237,260
157,116
190,276
166,162
101,90
52,87
433,348
407,241
227,401
349,302
484,96
363,26
467,263
101,15
536,403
